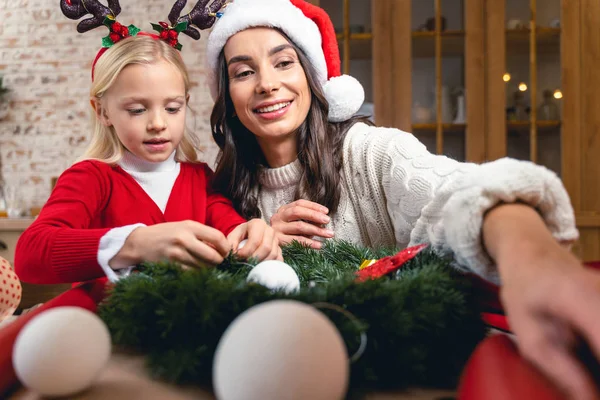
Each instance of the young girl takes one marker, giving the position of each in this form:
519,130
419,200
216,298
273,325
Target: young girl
139,193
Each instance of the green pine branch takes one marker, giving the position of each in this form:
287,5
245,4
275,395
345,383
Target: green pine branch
421,324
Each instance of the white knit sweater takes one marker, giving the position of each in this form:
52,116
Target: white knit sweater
396,193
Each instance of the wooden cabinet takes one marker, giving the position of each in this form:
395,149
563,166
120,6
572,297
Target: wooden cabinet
10,230
478,80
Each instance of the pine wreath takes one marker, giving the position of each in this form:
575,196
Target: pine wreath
422,323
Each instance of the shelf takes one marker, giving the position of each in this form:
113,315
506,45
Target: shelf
453,44
432,128
548,40
360,46
423,44
431,34
524,126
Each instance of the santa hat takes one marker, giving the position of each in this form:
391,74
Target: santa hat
310,28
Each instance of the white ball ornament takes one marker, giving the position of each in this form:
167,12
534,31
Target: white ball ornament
275,274
61,351
281,349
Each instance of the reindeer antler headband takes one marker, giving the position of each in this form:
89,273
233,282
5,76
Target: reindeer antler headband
202,16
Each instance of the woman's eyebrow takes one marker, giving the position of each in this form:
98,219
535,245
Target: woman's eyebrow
273,51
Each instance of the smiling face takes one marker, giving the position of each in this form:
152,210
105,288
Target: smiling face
269,90
146,108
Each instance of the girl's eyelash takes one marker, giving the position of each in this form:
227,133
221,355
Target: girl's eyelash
138,111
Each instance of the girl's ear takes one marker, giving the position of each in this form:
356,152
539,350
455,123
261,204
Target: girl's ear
100,111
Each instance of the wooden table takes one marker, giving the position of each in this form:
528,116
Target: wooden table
125,378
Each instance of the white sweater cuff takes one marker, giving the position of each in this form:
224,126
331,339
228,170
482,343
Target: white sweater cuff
110,244
502,181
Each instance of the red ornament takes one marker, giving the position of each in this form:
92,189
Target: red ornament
389,264
172,42
115,37
164,35
172,34
10,291
116,27
164,25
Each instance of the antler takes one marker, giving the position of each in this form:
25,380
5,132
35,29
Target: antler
75,9
201,16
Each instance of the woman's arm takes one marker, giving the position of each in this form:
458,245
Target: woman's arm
410,195
551,301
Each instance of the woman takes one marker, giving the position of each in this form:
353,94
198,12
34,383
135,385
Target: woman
292,153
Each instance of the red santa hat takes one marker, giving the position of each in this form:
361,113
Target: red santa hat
310,28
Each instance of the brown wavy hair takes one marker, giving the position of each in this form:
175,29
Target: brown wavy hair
320,145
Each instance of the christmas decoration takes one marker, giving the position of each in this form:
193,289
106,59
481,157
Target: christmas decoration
10,290
117,31
61,351
170,34
202,16
421,322
85,296
377,269
275,275
279,350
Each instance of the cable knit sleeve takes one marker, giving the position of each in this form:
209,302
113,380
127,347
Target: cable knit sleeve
431,198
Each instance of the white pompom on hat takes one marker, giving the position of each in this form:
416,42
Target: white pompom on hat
310,28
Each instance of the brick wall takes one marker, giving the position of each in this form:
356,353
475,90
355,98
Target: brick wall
47,64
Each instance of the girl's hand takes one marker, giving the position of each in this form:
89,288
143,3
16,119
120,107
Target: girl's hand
262,241
187,242
301,220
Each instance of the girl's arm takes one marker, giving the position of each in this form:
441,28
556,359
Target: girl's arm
220,213
60,246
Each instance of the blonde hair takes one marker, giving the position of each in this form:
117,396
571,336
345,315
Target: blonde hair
105,145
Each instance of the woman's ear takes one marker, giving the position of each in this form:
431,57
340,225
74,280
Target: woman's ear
100,111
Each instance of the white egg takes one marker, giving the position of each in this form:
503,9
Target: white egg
281,349
61,351
275,274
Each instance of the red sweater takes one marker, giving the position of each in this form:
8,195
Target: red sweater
92,197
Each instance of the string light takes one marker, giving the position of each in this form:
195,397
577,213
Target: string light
522,87
506,77
558,94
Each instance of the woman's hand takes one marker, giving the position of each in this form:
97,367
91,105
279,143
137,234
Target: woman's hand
551,300
262,242
187,242
301,220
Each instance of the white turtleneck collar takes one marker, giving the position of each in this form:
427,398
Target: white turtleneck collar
156,178
281,177
132,163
